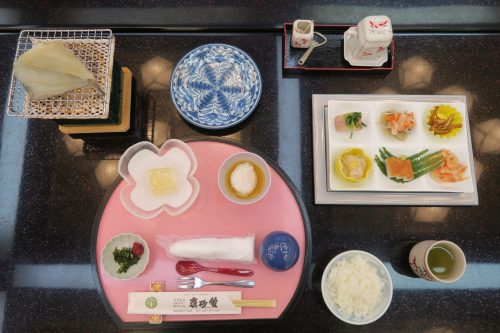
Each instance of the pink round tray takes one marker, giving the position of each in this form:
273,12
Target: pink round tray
211,215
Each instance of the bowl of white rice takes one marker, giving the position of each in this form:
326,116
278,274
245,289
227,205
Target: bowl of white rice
356,287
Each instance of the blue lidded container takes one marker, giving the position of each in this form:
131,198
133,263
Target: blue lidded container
279,251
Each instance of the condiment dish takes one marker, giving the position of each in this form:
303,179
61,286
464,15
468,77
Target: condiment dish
120,241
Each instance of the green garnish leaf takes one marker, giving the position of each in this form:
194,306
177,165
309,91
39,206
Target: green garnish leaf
125,258
381,165
417,155
387,152
353,120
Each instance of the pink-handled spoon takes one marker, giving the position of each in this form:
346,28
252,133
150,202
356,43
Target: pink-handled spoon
191,267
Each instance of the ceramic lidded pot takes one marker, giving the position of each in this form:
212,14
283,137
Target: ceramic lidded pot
366,44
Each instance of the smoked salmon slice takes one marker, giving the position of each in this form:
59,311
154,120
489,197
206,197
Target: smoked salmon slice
399,168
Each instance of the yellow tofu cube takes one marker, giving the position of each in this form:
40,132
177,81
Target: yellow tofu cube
163,181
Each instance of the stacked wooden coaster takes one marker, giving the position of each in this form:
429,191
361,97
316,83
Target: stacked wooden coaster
120,109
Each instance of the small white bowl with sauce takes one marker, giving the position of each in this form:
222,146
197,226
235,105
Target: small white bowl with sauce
244,178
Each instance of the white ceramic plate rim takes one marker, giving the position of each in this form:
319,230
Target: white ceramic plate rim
323,196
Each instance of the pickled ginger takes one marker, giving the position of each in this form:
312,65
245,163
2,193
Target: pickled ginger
50,69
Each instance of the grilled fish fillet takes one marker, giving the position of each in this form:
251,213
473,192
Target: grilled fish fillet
50,69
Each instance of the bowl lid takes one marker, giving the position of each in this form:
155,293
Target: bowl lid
279,251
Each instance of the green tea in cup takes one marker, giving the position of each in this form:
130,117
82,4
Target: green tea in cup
441,261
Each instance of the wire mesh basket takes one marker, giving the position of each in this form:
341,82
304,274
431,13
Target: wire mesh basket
95,49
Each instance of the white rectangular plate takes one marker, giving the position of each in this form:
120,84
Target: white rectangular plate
377,189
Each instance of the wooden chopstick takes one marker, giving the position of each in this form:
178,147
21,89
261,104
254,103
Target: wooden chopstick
255,303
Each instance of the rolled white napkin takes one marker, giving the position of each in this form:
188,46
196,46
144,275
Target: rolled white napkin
211,248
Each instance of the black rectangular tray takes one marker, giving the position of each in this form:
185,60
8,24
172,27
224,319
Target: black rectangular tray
329,57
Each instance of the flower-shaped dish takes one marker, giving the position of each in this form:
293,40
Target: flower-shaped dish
358,153
120,241
135,166
443,112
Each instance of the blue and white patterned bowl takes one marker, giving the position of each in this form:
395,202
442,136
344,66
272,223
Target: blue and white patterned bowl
216,86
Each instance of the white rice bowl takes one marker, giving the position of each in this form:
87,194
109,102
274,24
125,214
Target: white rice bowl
356,287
